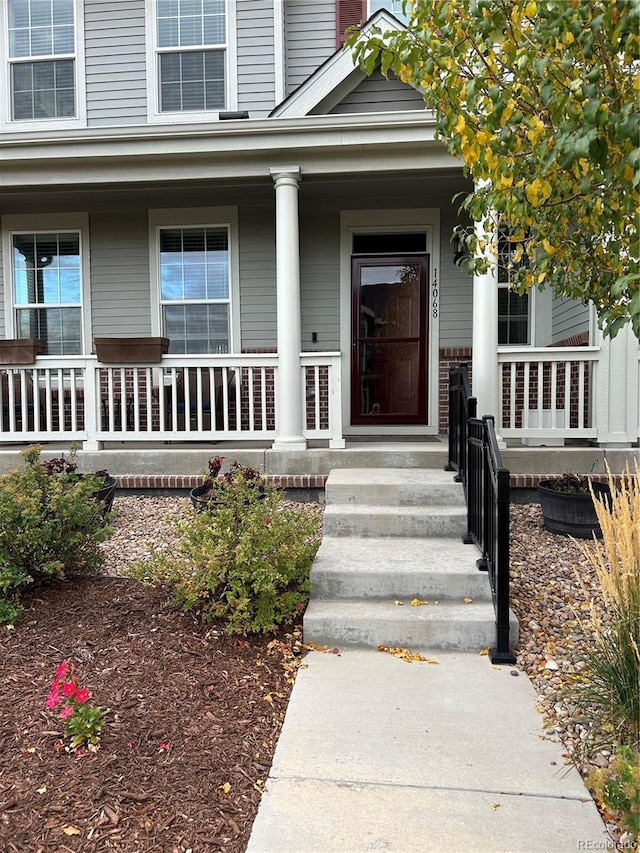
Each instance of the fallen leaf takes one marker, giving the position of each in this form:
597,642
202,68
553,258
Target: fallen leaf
398,603
494,806
71,830
484,652
225,788
467,600
417,602
42,790
259,785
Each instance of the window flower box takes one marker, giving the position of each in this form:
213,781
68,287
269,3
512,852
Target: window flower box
21,350
130,350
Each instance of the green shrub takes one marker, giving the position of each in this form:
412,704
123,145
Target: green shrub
618,787
49,525
245,561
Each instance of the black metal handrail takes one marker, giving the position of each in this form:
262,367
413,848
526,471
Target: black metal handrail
475,455
462,406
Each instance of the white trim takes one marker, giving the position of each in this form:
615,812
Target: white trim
154,114
52,222
7,123
423,220
278,50
210,217
330,75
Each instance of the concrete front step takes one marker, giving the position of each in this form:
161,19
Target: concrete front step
369,520
397,567
393,487
371,623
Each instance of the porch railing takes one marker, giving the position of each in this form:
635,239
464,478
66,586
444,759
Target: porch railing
547,392
475,455
462,406
184,398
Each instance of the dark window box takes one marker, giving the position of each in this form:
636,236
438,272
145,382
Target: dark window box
21,350
130,350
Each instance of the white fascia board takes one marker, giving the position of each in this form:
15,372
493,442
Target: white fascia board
319,144
333,73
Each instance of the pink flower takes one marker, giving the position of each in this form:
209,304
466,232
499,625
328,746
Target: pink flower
69,688
52,700
61,671
81,696
66,712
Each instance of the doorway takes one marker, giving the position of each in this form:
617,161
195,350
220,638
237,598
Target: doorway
389,339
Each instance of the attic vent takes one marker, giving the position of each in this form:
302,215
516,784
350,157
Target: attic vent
348,14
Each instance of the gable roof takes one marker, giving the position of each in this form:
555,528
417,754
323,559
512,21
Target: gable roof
332,80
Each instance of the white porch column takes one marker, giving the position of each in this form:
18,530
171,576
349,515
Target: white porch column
617,389
484,380
289,387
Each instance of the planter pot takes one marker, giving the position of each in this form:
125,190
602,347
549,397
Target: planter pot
21,350
105,494
201,500
570,513
131,350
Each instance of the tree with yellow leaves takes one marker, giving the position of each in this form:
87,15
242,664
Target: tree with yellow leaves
540,102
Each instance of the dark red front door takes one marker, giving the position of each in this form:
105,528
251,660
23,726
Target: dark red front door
389,340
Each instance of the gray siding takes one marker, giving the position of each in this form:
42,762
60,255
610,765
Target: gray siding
3,332
320,281
310,38
257,275
569,318
456,286
376,94
115,62
256,69
120,289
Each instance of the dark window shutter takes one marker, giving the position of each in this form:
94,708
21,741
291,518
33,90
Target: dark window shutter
348,14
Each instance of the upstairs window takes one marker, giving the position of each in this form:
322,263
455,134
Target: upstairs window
191,39
513,308
47,289
350,13
396,7
42,61
195,294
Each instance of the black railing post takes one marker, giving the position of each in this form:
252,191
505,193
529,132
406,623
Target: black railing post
474,454
500,547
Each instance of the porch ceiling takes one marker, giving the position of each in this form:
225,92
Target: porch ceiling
236,150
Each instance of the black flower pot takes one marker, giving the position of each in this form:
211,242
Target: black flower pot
105,494
202,499
571,513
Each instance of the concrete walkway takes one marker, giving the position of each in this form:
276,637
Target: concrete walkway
377,754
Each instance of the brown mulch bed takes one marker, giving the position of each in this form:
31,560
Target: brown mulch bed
190,710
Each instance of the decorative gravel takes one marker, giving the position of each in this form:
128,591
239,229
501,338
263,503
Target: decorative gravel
551,583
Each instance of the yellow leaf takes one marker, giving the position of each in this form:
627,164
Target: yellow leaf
467,600
31,749
531,9
71,830
42,790
416,602
225,788
259,785
494,806
432,660
546,245
484,652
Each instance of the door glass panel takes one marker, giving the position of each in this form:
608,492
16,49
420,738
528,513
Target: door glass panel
389,377
389,301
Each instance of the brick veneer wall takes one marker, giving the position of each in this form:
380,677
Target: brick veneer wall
449,357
